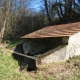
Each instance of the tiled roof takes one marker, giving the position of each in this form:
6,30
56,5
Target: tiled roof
55,31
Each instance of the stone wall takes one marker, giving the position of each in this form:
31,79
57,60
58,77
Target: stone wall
63,54
58,55
73,48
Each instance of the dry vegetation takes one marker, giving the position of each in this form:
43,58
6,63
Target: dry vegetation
9,69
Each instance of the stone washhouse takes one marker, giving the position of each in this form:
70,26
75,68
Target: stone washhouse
47,41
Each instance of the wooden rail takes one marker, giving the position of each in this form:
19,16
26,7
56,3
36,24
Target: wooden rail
24,55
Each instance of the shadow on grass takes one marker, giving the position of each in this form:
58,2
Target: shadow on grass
23,62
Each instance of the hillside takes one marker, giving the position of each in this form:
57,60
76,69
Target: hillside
9,69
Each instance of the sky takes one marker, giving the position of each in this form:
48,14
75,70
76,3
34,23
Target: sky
36,4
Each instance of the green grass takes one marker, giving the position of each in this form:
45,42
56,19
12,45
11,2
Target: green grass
14,43
9,70
50,78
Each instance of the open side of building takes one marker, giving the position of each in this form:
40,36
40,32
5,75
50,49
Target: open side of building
68,32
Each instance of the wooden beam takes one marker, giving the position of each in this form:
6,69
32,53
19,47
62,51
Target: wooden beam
24,55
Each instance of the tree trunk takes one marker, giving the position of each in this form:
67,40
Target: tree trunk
46,7
60,8
3,30
5,21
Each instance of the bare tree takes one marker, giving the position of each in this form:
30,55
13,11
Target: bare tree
47,8
5,21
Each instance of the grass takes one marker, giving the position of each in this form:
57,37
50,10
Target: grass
14,43
9,70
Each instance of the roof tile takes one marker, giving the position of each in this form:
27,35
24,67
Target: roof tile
55,31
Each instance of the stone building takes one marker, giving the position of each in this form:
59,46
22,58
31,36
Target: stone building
53,36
